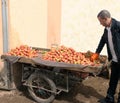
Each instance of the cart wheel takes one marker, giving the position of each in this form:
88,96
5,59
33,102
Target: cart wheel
41,88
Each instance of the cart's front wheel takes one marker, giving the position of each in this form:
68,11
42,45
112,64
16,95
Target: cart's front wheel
41,88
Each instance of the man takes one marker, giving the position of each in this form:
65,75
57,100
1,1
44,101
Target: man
110,37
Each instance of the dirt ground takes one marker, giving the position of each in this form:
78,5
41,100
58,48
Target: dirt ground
89,91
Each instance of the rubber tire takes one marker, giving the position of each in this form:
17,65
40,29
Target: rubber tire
33,95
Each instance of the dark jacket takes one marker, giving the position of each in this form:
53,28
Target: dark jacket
115,29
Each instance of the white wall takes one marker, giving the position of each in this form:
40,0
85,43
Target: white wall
28,23
80,27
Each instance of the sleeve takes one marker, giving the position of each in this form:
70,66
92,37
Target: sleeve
118,25
101,43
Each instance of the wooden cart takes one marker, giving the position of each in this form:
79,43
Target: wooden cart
45,79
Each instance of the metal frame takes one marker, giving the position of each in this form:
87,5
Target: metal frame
53,75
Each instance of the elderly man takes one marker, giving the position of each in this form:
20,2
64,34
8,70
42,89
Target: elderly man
110,37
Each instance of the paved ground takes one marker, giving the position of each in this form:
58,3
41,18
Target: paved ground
89,91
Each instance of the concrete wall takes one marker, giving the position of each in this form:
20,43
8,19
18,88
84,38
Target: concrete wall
34,22
80,27
28,23
54,22
41,23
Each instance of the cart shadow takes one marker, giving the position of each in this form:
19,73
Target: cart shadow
24,92
74,95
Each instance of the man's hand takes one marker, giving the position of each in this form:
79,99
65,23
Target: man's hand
94,56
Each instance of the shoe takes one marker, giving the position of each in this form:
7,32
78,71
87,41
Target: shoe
104,101
118,101
108,99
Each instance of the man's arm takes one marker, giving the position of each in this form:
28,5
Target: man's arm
99,48
101,44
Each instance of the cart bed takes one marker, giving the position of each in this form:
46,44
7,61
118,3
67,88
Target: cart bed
39,61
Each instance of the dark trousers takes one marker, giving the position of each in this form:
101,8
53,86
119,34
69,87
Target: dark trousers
115,75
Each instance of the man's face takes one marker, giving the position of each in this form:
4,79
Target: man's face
105,21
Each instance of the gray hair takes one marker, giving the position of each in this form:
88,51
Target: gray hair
103,14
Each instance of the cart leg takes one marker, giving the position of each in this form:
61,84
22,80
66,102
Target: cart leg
106,72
